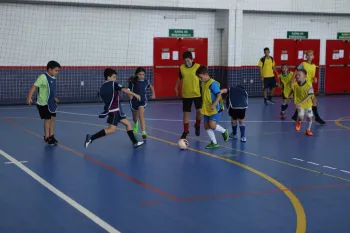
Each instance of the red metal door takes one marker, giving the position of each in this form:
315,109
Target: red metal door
166,61
168,58
284,53
305,45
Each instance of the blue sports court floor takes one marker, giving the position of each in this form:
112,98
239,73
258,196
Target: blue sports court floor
280,181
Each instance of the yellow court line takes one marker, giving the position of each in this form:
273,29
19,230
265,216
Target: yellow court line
259,156
337,122
299,210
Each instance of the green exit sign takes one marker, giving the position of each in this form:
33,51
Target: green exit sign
297,35
343,35
180,32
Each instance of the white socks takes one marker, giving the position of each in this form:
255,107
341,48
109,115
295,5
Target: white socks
220,129
211,135
309,125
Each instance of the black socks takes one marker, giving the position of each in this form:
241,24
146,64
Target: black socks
99,134
132,136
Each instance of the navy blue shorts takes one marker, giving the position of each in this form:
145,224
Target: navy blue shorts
115,117
135,104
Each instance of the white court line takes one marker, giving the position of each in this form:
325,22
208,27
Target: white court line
63,196
179,120
329,167
298,159
18,161
313,163
345,171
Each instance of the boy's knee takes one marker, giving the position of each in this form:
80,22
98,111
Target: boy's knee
241,121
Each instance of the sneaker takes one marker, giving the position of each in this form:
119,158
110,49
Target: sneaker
50,141
283,116
54,139
233,136
184,135
136,127
243,139
197,130
212,146
271,101
225,136
319,120
308,132
88,141
298,125
144,135
138,144
265,102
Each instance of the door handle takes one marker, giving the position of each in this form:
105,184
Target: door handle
340,65
166,67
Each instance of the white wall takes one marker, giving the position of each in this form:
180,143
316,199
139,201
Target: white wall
34,34
324,6
260,30
198,4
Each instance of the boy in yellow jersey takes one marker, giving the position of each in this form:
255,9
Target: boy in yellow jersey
191,92
212,106
310,68
303,92
285,81
267,69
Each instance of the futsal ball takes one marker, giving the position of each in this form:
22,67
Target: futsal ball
183,144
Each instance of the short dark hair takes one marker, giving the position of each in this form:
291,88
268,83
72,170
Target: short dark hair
53,65
202,70
187,54
266,49
109,72
284,64
303,71
139,69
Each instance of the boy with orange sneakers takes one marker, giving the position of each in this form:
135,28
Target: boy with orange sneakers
303,92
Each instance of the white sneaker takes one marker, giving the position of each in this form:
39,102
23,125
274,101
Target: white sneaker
138,144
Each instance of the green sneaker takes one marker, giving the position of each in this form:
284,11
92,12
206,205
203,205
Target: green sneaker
225,136
144,134
136,127
212,146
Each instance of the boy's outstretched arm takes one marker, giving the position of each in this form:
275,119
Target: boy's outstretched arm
127,91
223,91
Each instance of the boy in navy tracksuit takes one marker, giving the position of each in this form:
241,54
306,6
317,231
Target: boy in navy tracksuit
109,94
237,103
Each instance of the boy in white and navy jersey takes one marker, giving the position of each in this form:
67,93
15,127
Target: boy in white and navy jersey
237,103
109,93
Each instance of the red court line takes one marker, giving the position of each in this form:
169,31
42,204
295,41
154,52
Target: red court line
250,193
98,163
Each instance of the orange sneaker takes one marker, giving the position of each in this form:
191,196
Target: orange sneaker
298,125
308,132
